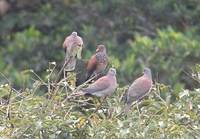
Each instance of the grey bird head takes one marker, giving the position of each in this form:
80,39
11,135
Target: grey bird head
112,72
101,48
74,34
147,72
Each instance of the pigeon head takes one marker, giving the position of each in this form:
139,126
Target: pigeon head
74,34
112,72
77,41
101,48
147,72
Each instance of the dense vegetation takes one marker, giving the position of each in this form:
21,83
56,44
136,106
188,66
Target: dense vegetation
163,35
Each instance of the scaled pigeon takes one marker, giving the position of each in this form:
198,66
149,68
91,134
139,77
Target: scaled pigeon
139,88
73,47
97,62
102,87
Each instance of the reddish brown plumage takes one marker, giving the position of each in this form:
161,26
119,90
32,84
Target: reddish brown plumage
97,62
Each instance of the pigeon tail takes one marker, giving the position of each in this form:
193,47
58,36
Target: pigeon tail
80,93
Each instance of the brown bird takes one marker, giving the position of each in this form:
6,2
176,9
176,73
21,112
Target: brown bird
139,88
98,62
4,7
73,47
102,87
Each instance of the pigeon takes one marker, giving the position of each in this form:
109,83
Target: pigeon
98,62
139,88
73,47
102,87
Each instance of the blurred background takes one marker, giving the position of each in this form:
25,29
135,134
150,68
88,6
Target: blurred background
160,34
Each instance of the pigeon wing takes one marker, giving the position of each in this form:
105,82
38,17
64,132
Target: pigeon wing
91,66
100,85
66,42
139,88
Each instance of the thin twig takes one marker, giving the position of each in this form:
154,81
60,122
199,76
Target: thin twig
97,107
78,88
8,107
191,76
61,70
161,99
58,76
57,85
24,131
48,81
83,101
38,77
13,89
52,71
4,76
85,83
3,112
158,88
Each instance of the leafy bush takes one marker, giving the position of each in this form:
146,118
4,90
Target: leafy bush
169,55
57,115
32,34
136,33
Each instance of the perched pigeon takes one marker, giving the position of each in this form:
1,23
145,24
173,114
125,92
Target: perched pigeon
102,87
73,47
97,62
139,88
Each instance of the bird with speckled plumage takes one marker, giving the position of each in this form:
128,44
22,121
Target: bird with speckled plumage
98,62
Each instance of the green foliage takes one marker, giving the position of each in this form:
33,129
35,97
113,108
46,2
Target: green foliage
59,115
30,39
169,55
161,34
